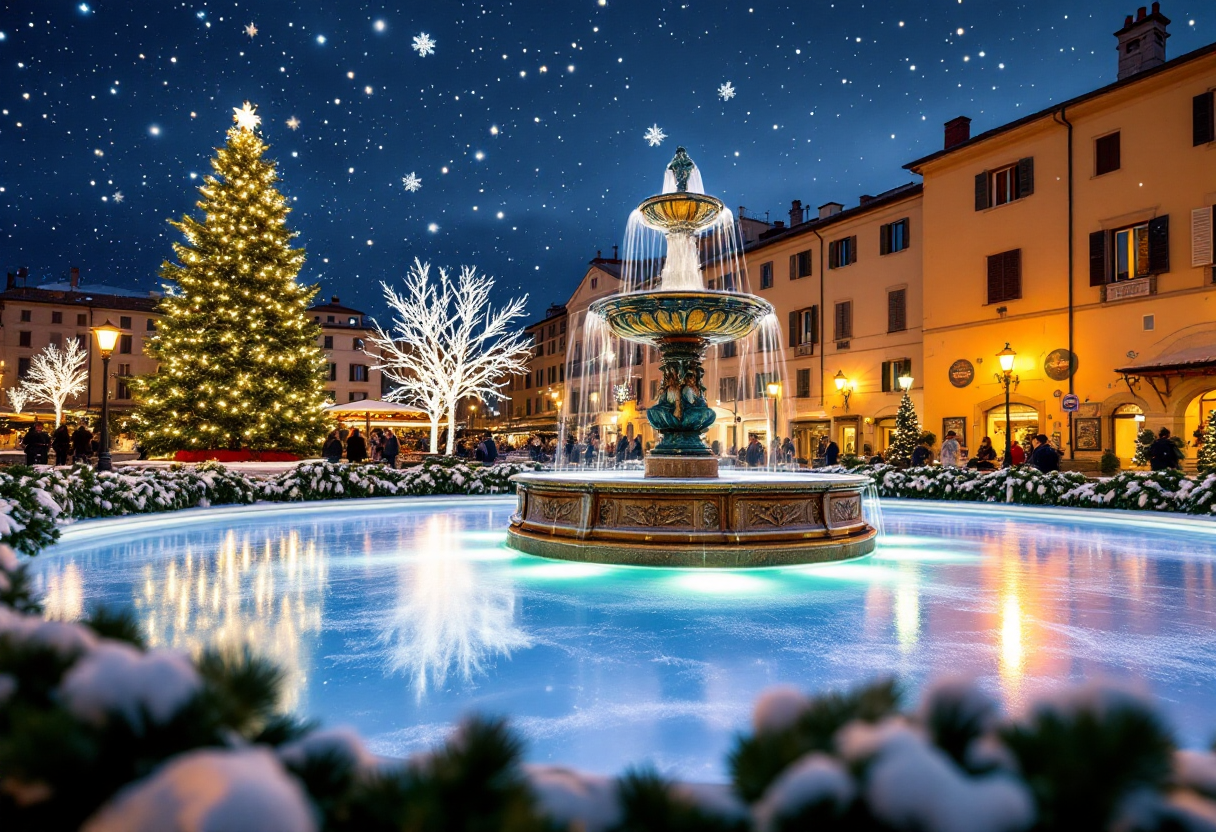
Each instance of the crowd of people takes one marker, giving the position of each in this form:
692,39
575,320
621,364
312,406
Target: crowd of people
70,442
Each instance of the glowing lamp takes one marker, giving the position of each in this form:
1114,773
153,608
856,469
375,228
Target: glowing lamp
773,389
107,336
905,382
1006,357
841,380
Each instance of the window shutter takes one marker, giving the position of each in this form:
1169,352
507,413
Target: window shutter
884,239
1013,274
848,319
996,272
907,236
793,267
832,254
897,311
1025,177
1204,128
1201,237
981,191
1159,245
886,376
853,249
1097,258
815,324
794,328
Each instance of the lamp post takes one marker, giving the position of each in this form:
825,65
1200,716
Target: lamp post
774,393
844,387
107,336
905,382
1007,378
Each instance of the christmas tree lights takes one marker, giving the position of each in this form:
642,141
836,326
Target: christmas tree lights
906,433
239,363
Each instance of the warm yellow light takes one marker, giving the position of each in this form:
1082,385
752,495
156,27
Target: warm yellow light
107,336
841,380
554,394
773,389
905,382
1006,357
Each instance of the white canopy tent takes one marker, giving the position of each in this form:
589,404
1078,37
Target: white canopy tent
388,414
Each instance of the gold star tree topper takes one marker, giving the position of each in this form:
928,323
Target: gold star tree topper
246,117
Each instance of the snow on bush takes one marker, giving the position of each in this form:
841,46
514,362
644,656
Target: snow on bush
243,790
117,679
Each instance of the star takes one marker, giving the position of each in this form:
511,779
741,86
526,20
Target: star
118,197
293,123
251,30
423,44
245,117
654,136
411,182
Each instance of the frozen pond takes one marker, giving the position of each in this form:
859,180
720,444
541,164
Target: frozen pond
399,616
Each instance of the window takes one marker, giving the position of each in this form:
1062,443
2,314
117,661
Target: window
595,282
55,339
124,322
529,407
151,324
803,388
1150,323
1005,276
56,317
729,350
844,321
553,375
1201,236
125,343
1106,154
892,370
358,372
842,253
26,316
1204,127
123,387
804,330
82,320
654,389
332,395
763,380
1004,185
333,372
23,367
356,397
728,388
563,328
540,376
897,310
574,395
528,381
356,344
1129,253
893,237
24,339
329,319
766,275
329,342
800,265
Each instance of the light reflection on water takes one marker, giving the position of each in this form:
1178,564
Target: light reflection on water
400,619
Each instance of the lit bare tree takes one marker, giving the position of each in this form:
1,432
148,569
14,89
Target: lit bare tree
17,397
58,374
447,343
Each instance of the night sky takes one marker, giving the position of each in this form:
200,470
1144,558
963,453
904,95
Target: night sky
525,125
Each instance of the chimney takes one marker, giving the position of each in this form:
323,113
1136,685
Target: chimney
778,224
865,200
333,299
23,274
599,254
958,130
615,255
1142,41
12,282
829,209
74,280
795,213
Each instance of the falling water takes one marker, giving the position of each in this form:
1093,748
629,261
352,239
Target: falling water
871,510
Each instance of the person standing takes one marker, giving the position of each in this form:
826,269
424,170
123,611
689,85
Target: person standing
487,449
636,451
390,449
36,443
622,449
1044,457
569,456
950,451
922,455
589,456
332,449
787,450
356,447
831,453
755,452
61,442
1163,453
82,443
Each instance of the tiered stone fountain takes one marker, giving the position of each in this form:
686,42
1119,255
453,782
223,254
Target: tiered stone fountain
683,512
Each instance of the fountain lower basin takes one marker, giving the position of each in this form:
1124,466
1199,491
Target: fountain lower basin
737,520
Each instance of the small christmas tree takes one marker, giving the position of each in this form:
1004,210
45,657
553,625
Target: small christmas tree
1206,461
906,434
1143,439
239,362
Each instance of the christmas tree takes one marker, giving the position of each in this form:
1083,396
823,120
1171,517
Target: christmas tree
1206,462
905,435
239,363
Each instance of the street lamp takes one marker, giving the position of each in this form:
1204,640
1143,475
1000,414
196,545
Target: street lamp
774,391
473,417
1007,379
905,382
107,336
844,387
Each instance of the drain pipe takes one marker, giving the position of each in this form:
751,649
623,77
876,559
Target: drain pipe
823,317
1060,117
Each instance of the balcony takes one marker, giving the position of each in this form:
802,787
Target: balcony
1141,287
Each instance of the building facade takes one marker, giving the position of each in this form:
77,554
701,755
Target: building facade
351,375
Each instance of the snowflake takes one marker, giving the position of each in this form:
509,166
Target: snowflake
118,197
423,45
411,182
654,135
726,91
251,30
293,123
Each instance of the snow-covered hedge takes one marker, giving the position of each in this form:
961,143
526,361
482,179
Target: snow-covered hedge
100,733
33,501
1130,490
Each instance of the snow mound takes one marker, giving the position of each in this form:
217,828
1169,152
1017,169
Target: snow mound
815,778
117,678
343,743
574,799
1196,770
210,791
777,709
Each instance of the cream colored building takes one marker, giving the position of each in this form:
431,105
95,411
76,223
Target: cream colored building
351,376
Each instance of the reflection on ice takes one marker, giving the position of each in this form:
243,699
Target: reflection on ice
451,613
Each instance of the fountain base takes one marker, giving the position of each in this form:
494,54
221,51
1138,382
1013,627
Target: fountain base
733,521
681,467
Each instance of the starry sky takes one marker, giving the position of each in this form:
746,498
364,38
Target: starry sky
525,124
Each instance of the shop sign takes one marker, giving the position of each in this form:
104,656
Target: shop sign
1060,364
962,373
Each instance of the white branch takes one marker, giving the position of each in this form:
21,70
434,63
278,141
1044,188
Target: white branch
56,375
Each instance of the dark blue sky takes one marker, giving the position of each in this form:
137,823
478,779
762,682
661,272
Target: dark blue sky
535,110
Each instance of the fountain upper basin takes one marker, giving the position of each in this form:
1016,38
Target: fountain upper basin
652,317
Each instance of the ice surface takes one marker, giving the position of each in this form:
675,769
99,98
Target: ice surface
602,667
